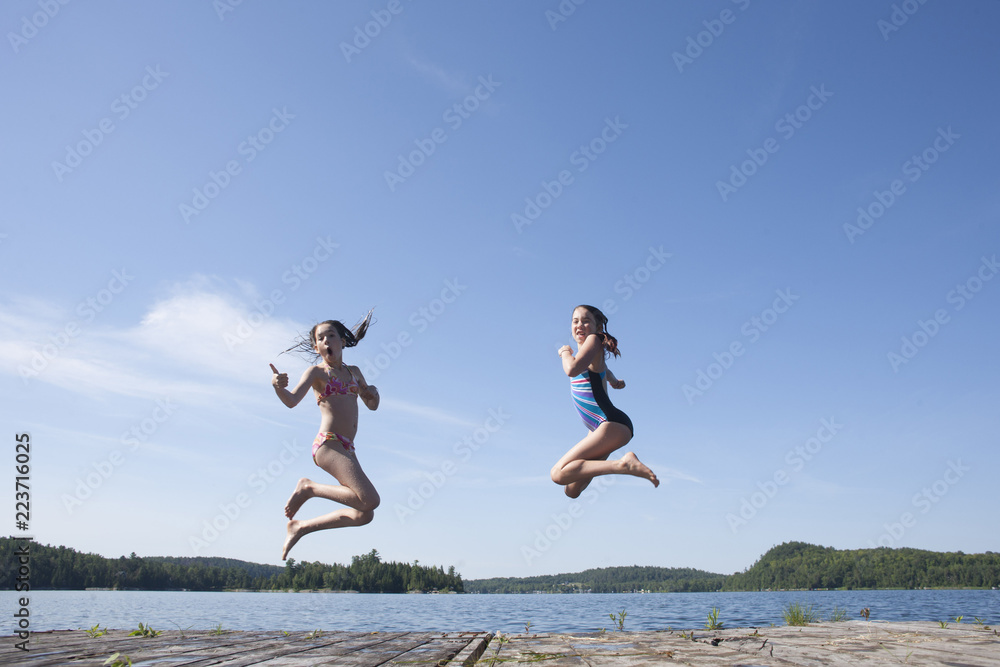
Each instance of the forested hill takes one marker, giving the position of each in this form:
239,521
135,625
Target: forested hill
605,580
793,565
64,568
253,569
803,566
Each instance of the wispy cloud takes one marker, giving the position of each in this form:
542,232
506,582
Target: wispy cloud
667,475
453,84
428,413
198,344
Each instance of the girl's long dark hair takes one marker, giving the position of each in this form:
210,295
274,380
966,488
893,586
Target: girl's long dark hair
610,342
351,337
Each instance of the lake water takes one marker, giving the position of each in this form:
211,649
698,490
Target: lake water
64,610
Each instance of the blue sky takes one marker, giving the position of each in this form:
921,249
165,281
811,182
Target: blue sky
788,210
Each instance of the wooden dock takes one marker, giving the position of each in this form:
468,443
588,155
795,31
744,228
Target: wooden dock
845,643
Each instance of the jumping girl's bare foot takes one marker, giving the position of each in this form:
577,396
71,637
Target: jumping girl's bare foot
633,466
295,531
302,493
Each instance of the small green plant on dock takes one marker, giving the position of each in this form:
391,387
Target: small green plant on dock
181,630
218,630
144,631
713,620
527,627
118,660
797,614
315,634
838,614
619,620
942,624
96,631
865,613
958,619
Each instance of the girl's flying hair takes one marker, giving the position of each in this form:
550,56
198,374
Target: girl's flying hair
351,337
610,342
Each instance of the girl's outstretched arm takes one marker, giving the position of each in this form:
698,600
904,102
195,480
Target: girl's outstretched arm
613,381
367,392
280,383
575,364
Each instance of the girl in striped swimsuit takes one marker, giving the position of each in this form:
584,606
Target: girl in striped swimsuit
610,428
338,388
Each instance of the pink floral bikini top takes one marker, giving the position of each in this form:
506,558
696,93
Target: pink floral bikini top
335,386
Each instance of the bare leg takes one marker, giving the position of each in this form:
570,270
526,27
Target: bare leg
574,489
355,490
588,459
337,519
306,489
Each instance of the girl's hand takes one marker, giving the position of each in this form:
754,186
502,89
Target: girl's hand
368,393
617,384
279,380
565,348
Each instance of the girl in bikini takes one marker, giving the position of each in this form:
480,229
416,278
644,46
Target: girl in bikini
610,428
337,387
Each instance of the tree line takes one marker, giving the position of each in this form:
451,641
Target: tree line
67,569
625,579
789,566
792,565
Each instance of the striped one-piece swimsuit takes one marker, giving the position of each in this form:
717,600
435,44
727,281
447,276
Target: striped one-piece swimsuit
592,401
